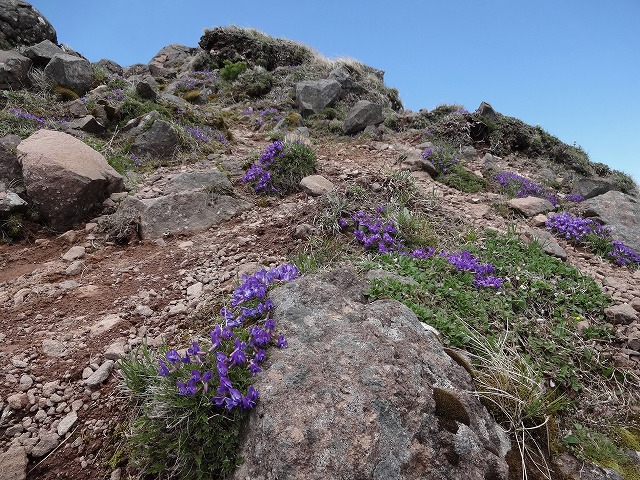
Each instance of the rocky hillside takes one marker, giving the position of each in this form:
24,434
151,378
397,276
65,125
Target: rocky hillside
244,260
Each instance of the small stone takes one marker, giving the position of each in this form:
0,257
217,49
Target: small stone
316,185
144,311
47,442
14,463
25,382
53,348
13,430
67,422
100,375
194,290
75,268
621,314
74,253
86,373
104,325
90,227
539,220
116,349
635,303
303,231
185,245
178,309
69,237
116,474
18,401
16,362
77,405
531,206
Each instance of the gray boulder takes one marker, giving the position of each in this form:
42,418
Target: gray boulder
10,202
71,72
314,95
363,114
487,111
182,212
42,53
343,76
159,140
620,212
64,177
14,70
546,240
211,181
23,25
146,88
364,391
592,187
531,206
110,66
171,56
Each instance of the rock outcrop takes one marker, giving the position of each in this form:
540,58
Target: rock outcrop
70,72
364,391
314,95
620,212
65,178
23,25
14,70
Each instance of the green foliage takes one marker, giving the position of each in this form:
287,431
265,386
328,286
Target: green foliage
622,181
462,179
99,74
232,70
133,106
254,83
320,252
12,226
538,306
117,82
297,162
175,435
191,96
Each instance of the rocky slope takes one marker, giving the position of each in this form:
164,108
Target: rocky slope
96,262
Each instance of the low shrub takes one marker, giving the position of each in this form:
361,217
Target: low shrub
230,71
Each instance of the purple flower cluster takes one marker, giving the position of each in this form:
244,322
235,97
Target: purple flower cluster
270,114
28,116
116,94
376,233
195,79
526,188
623,254
575,228
465,261
258,174
442,162
232,349
205,134
574,198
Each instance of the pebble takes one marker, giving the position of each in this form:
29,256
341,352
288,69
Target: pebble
66,423
100,375
47,442
74,253
177,309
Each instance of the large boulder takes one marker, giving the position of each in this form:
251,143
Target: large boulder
23,25
361,115
14,70
531,206
314,95
592,187
172,56
182,212
620,212
70,72
65,178
159,140
364,391
237,44
42,53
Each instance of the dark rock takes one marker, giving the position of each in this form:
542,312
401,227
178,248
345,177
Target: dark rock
314,95
146,88
11,202
620,212
77,108
160,140
136,69
487,111
364,391
65,178
70,72
88,124
362,114
236,44
573,469
345,78
14,70
183,212
110,66
10,168
43,52
592,187
23,25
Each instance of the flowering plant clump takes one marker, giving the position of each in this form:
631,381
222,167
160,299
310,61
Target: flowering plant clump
442,159
195,80
262,117
280,167
379,234
574,198
594,234
206,134
237,347
522,186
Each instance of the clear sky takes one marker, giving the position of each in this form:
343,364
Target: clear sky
570,66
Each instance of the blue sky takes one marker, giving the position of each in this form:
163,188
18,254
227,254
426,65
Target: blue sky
570,66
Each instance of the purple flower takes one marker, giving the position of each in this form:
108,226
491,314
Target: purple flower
260,356
188,389
254,368
163,371
173,356
282,343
